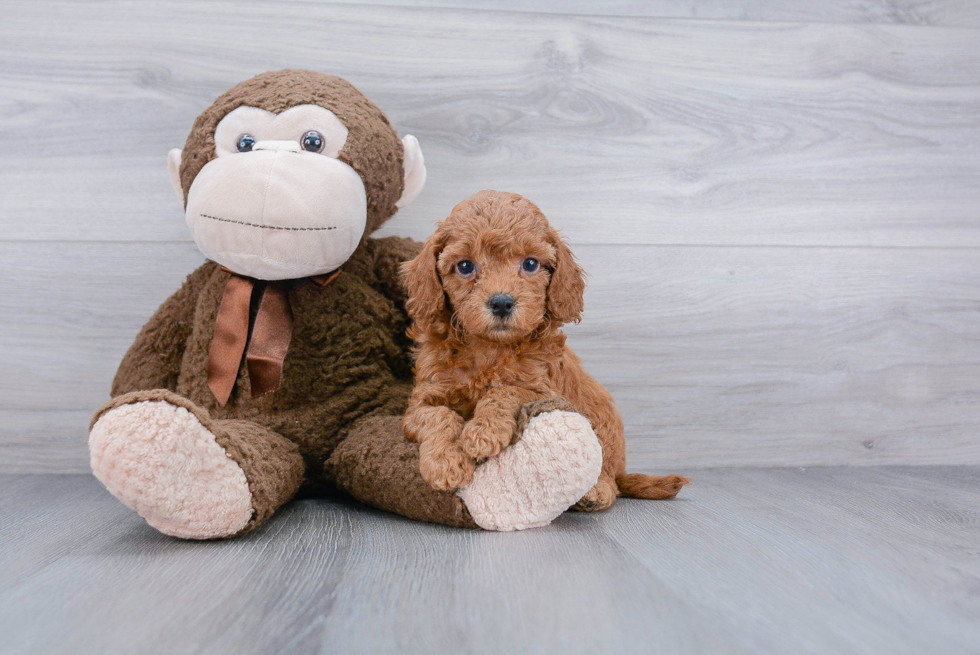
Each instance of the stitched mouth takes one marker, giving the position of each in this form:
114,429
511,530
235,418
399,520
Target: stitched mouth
267,227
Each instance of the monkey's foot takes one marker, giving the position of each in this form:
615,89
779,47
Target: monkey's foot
556,462
160,461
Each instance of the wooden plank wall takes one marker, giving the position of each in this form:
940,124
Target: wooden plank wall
781,220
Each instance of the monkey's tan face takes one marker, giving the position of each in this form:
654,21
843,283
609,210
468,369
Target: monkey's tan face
276,202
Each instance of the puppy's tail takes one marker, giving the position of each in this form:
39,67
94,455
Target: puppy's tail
637,485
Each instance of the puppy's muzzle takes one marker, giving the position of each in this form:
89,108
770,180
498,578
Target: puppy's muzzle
501,304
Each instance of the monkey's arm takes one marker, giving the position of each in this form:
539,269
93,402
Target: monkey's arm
153,361
390,253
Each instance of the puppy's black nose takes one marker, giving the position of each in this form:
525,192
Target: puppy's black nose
501,304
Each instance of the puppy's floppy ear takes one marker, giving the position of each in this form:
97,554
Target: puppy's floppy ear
567,287
426,298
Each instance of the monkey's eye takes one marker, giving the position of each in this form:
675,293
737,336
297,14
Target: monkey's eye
465,267
245,143
312,141
530,265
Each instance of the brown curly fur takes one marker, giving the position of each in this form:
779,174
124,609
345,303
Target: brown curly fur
474,370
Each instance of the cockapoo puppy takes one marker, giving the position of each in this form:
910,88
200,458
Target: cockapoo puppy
488,295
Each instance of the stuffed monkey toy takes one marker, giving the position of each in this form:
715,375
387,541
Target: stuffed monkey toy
283,361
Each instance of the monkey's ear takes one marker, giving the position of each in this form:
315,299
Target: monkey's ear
173,166
426,299
566,291
414,171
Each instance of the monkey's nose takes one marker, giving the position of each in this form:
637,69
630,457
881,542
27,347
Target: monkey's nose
501,304
290,146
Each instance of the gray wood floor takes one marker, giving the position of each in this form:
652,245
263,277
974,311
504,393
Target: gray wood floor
815,560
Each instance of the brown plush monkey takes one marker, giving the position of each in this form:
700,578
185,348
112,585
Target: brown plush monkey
283,360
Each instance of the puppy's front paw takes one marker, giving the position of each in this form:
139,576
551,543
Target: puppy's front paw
483,437
411,427
600,497
444,466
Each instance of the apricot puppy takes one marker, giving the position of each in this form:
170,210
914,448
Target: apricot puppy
488,295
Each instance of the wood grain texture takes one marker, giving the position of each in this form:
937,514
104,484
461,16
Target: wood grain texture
952,13
820,543
716,356
626,130
840,560
780,219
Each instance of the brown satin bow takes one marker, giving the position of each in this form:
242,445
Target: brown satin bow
271,333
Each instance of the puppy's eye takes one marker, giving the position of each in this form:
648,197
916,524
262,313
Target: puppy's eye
245,143
465,267
530,265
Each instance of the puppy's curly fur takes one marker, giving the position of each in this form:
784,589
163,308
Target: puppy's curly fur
488,295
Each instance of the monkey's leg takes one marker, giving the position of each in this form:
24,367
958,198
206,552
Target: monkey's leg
187,474
377,465
555,462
